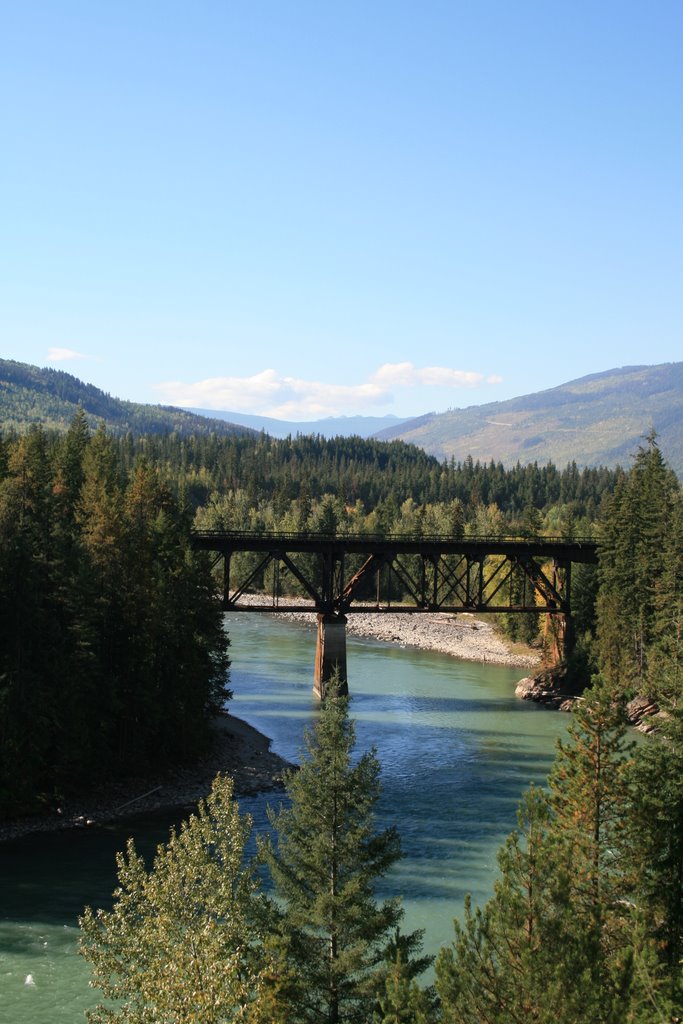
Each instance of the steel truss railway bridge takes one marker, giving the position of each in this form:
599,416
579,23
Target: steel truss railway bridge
358,573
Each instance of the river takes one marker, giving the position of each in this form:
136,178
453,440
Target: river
456,748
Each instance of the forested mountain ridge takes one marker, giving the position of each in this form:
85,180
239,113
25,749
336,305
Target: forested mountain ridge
593,421
31,395
597,420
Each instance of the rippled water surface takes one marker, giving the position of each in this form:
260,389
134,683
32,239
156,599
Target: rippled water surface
456,747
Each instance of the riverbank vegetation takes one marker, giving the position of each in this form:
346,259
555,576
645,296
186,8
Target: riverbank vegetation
112,651
585,924
111,646
112,655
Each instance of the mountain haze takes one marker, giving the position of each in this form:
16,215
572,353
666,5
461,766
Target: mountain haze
331,426
595,420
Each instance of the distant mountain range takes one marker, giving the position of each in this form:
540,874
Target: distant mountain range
50,397
595,420
332,426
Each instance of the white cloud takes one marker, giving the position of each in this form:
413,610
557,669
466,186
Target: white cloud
58,355
290,398
407,375
268,394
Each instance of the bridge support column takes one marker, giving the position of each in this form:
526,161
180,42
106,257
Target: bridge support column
330,654
558,633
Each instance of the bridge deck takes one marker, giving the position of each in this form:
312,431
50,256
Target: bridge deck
580,549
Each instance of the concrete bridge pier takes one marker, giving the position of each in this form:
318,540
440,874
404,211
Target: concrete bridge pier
330,654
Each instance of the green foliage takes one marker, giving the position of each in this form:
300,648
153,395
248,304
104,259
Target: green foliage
51,398
194,940
184,941
589,790
509,960
570,934
585,922
655,824
665,656
639,601
112,650
324,865
400,999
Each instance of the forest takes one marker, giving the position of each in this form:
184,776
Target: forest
112,648
112,651
113,655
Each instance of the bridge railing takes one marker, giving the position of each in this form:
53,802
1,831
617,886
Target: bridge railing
384,538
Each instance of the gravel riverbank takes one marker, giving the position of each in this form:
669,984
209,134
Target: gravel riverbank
462,635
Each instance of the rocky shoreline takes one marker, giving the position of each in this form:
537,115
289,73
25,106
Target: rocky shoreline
237,749
242,751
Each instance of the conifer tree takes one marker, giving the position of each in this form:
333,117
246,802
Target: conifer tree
665,661
565,938
324,866
636,528
69,469
518,959
29,631
589,791
591,794
400,999
655,824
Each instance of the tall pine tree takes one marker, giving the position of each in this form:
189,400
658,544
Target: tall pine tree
324,865
636,531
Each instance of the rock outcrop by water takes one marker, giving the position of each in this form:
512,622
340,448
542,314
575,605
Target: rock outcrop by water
644,713
553,689
549,689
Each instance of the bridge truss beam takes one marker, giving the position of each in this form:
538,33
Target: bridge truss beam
342,575
432,582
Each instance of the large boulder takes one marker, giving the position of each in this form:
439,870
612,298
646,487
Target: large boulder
643,712
550,687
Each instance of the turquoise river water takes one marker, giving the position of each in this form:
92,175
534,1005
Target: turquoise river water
457,749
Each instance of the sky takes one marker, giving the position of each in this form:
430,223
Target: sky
303,209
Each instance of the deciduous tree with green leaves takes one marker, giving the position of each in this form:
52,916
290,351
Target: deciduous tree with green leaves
184,940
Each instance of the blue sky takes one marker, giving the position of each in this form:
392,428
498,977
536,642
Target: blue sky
307,209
